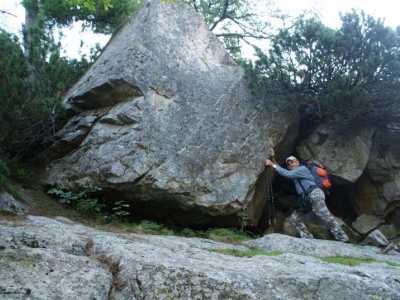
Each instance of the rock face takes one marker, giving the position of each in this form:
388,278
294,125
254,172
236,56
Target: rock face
366,223
345,156
43,258
9,205
377,192
365,163
164,119
383,171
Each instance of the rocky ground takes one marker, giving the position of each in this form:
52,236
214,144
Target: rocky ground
56,258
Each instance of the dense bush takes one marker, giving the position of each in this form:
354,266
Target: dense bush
350,75
4,173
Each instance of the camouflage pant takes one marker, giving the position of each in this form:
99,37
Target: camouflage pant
317,199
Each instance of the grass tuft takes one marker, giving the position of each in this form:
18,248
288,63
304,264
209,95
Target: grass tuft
353,261
143,227
247,253
225,235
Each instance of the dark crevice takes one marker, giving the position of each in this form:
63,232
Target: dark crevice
137,180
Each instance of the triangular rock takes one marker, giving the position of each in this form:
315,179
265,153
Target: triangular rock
164,119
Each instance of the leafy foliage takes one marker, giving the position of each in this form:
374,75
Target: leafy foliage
119,211
30,90
4,172
236,21
91,4
23,176
187,232
81,199
31,84
33,74
226,235
90,206
12,85
149,227
349,75
103,16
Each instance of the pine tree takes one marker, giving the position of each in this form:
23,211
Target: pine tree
33,74
349,75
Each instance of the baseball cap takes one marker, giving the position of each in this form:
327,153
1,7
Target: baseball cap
290,158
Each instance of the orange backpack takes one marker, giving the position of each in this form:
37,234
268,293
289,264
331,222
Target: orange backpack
320,175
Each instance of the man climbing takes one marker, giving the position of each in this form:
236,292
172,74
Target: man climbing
308,191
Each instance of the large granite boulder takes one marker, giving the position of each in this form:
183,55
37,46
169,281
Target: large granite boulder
164,119
42,258
344,155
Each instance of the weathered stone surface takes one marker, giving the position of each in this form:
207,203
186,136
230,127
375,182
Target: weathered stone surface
42,258
344,156
377,191
375,238
42,274
366,223
9,205
366,197
288,244
389,231
364,168
165,120
391,190
288,228
384,161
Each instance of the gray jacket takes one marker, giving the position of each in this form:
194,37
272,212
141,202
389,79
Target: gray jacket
302,173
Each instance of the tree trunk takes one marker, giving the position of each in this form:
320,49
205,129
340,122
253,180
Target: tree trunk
31,16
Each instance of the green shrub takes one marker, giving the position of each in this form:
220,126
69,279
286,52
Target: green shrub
119,212
89,206
15,190
304,69
150,225
187,232
225,235
4,172
80,200
22,176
